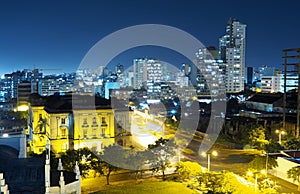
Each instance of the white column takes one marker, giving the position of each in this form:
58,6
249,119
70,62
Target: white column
208,162
22,152
47,167
3,186
77,171
62,183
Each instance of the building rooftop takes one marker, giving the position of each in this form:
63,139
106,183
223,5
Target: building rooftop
27,175
265,98
68,103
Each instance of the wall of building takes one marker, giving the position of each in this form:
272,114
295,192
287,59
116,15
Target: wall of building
270,84
71,188
84,128
259,106
283,166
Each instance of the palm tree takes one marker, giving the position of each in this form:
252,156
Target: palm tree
294,173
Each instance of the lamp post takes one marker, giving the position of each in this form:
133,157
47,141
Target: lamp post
279,132
208,155
249,173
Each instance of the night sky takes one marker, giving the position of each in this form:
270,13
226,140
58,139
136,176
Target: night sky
58,34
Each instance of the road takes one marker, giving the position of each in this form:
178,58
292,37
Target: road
145,132
234,160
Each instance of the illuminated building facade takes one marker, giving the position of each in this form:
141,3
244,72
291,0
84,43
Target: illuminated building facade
210,72
270,84
147,72
70,123
232,50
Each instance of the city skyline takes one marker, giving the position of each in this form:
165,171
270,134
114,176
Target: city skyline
58,34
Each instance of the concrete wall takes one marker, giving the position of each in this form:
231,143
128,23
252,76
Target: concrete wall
259,106
283,166
67,189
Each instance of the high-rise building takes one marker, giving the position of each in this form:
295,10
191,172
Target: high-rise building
232,52
147,73
24,90
210,75
249,75
139,73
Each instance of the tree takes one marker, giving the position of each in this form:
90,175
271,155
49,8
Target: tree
84,157
107,169
268,186
160,155
292,144
294,173
261,163
257,138
216,182
188,170
232,106
138,161
273,147
113,157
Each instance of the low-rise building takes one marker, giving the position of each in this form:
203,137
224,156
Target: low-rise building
70,122
263,102
270,84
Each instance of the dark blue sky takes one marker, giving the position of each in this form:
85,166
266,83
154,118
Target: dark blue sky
57,34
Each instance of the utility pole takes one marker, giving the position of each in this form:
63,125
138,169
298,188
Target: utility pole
291,66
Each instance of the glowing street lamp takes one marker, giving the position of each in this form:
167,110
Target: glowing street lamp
208,155
279,132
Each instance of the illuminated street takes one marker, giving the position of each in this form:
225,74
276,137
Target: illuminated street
145,132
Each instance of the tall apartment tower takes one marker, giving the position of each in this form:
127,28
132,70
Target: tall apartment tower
147,73
232,52
210,76
139,73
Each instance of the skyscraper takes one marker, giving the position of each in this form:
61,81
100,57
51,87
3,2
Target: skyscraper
209,72
139,73
232,52
147,73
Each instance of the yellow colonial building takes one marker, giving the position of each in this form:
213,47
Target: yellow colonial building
70,122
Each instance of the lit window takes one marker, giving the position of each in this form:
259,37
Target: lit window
85,124
63,132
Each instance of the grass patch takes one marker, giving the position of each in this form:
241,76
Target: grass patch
151,188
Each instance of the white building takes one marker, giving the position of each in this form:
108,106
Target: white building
147,73
210,72
270,84
232,50
273,84
139,72
291,82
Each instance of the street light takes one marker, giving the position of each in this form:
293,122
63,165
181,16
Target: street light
279,132
208,155
250,173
